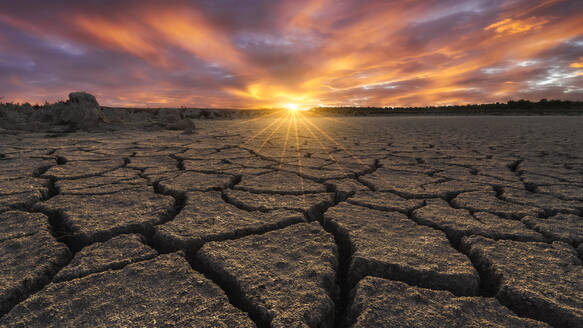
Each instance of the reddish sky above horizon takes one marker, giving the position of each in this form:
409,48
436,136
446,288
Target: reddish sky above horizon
229,53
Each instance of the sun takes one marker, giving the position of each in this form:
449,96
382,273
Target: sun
292,107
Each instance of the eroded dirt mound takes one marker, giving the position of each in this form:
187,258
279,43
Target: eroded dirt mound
82,112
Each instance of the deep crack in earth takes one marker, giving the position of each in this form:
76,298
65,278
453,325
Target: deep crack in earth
296,221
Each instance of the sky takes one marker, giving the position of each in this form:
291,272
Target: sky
269,53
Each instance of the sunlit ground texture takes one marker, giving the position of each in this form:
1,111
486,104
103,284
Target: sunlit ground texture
296,220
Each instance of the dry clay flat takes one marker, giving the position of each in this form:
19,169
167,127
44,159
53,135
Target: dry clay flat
316,222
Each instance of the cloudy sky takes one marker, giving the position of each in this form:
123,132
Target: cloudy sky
234,53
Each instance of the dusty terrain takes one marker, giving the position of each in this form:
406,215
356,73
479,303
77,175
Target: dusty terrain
319,222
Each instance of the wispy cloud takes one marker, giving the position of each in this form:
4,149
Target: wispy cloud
511,26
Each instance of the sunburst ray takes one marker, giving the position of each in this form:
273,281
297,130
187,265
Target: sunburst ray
284,147
336,143
261,132
265,141
258,118
298,151
323,147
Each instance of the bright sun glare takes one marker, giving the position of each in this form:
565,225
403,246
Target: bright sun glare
292,107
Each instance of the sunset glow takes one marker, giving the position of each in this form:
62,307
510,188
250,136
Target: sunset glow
292,107
291,54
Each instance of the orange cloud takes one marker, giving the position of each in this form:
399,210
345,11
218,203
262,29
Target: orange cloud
128,37
578,64
189,29
509,26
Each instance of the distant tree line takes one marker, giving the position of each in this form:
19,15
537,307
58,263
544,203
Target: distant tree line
518,107
522,106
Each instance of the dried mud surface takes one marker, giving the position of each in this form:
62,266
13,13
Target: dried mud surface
296,221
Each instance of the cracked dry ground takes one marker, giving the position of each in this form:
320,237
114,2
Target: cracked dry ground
319,222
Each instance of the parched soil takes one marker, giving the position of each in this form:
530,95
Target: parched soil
296,221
